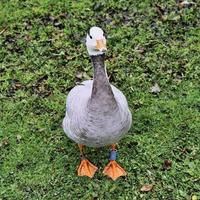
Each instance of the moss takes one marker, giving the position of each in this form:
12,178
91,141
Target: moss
42,49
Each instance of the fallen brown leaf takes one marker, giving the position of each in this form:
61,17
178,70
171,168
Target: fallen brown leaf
167,164
62,15
146,188
17,85
160,10
28,38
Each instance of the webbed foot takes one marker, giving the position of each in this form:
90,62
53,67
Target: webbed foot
86,168
113,169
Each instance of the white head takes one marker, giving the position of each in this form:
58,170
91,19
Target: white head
96,41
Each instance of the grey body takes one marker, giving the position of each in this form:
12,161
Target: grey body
97,113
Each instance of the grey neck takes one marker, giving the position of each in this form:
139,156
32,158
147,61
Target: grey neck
102,93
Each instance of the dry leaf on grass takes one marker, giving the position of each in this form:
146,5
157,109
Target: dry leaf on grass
146,188
79,75
140,49
160,10
19,137
155,89
167,164
2,31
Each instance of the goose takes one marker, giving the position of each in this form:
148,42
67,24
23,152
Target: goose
97,113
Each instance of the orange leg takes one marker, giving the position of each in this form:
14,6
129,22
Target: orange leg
86,168
113,169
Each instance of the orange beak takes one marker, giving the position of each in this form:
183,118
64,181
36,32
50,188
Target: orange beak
100,45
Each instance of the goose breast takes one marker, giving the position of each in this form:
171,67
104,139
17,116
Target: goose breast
95,128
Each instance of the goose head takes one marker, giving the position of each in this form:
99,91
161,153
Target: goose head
96,41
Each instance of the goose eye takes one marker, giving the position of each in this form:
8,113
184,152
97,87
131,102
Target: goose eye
90,36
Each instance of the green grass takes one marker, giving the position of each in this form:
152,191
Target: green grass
41,51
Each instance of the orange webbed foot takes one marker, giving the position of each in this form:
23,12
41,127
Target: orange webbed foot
114,170
86,168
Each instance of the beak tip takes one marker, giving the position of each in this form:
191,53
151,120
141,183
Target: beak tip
103,50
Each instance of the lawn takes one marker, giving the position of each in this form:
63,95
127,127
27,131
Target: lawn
43,56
